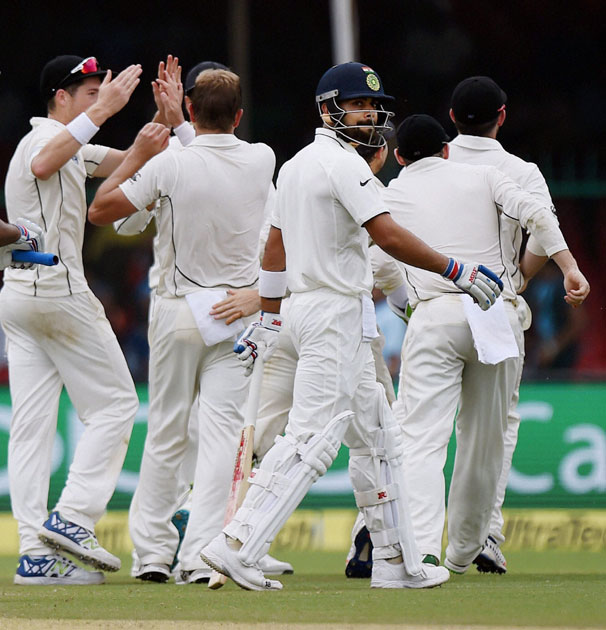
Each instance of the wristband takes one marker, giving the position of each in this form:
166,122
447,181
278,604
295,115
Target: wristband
453,270
272,284
82,128
185,133
273,321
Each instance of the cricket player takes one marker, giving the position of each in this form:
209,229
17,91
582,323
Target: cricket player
328,204
168,97
212,197
455,356
57,333
478,110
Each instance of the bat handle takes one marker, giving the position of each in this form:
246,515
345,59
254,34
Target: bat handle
39,258
254,392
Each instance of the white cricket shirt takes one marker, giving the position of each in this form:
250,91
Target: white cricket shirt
212,196
58,205
490,152
458,209
325,193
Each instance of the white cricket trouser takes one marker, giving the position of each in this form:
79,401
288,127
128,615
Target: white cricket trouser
335,373
440,371
54,342
278,383
181,368
511,433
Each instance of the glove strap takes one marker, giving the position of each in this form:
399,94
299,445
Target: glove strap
273,321
453,270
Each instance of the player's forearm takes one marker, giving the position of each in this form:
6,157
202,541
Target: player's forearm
9,233
54,155
404,245
531,264
109,203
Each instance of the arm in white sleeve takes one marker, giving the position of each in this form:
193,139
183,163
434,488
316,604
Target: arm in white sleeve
387,273
133,224
533,215
185,132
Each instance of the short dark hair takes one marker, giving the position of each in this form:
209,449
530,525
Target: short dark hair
216,99
479,129
70,89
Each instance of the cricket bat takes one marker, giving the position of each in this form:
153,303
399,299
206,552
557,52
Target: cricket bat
243,463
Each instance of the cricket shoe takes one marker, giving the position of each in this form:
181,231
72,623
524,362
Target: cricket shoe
77,541
53,569
359,565
222,558
491,558
154,573
386,574
272,566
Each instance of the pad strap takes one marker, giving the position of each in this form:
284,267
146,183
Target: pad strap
376,496
385,537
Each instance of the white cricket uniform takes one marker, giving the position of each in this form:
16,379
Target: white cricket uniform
212,195
326,192
488,151
456,209
58,335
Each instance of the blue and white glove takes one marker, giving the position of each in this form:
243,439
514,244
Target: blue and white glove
31,239
481,283
259,338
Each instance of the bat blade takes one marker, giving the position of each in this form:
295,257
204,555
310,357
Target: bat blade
243,463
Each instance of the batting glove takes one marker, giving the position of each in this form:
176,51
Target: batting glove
481,283
31,239
259,338
403,312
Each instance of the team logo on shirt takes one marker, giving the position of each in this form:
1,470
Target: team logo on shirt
135,177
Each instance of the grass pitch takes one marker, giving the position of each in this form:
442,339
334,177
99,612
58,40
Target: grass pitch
541,589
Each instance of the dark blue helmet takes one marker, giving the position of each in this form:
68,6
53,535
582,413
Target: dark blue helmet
349,81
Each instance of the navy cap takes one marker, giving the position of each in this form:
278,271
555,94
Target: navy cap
192,75
65,70
477,100
420,136
350,80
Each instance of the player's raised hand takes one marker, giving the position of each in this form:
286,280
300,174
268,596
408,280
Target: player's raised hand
114,94
577,287
168,93
259,338
151,140
481,283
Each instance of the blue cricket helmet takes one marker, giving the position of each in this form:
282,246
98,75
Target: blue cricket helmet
350,80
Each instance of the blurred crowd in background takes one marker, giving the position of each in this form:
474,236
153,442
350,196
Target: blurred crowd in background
547,57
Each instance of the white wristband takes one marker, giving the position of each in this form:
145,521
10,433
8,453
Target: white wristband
82,128
272,284
185,133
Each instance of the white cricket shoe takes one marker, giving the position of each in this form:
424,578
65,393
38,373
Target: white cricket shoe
53,569
388,575
196,576
491,558
78,541
222,558
272,566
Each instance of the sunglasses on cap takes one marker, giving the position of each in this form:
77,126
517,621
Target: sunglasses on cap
86,66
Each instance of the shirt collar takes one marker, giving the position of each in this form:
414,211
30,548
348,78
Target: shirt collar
477,142
216,140
425,164
36,121
324,135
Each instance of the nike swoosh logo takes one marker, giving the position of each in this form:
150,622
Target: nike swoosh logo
364,183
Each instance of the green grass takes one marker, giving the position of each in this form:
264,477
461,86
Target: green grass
557,589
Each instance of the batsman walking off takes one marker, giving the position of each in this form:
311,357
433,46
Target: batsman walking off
327,205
